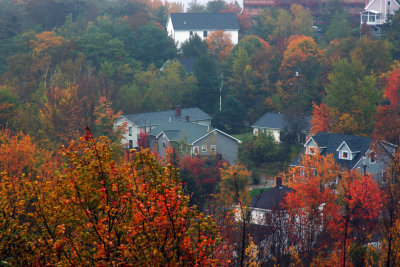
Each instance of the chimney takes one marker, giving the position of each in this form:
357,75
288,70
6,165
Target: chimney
178,110
187,117
278,182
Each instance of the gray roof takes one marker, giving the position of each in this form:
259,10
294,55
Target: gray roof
272,120
157,118
330,142
178,130
204,21
271,198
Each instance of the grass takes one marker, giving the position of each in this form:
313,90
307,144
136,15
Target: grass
243,136
257,191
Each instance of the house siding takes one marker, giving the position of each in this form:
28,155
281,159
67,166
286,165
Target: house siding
125,137
276,133
182,36
161,139
225,146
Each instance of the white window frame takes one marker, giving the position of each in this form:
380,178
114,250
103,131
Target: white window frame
130,131
311,150
204,148
164,145
213,148
342,155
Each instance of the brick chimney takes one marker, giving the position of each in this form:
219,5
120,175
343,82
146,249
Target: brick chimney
278,182
187,117
178,111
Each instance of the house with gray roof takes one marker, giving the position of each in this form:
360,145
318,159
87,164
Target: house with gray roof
181,26
276,123
193,139
145,122
351,152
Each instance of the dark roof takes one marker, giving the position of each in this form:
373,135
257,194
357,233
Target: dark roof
204,21
177,130
270,199
188,63
156,118
330,142
272,120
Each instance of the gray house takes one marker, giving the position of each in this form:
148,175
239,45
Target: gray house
193,139
352,152
145,122
276,123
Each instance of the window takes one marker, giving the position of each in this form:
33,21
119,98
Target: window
191,33
130,144
255,131
130,131
372,157
164,145
203,148
311,150
388,3
345,155
205,34
213,148
195,150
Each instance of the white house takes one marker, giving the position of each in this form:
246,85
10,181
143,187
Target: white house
181,26
145,122
377,12
351,152
276,123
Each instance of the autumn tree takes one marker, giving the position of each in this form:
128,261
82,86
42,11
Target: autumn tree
63,114
388,114
233,191
350,103
331,210
220,44
95,210
300,73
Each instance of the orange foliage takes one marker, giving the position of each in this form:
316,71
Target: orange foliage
320,119
96,211
338,214
220,44
63,113
387,125
45,41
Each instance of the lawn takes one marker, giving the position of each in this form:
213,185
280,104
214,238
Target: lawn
243,136
257,191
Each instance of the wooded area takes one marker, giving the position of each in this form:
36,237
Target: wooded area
70,195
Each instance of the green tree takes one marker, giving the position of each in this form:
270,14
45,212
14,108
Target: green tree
195,7
232,116
205,70
154,46
338,28
352,98
215,6
393,34
194,47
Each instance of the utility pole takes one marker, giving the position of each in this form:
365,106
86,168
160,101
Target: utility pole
220,91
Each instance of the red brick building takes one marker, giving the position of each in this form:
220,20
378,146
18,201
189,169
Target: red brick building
254,7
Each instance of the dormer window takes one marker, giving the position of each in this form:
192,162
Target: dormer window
345,155
311,150
372,157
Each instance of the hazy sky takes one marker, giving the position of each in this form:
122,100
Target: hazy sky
185,2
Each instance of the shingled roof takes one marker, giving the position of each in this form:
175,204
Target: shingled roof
204,21
270,199
177,130
272,120
157,118
330,143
